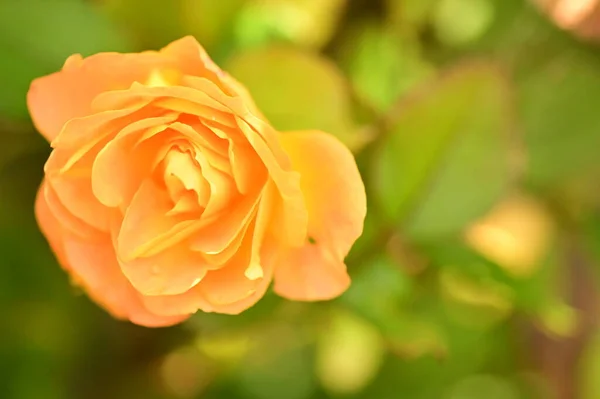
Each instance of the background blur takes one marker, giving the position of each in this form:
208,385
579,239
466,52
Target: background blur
476,124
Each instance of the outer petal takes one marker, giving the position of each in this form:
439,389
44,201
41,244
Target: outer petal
93,265
67,94
56,98
197,297
49,225
335,198
194,61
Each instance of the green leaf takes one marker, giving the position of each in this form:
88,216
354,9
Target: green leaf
297,90
476,303
379,293
562,130
382,65
558,84
448,157
535,294
36,37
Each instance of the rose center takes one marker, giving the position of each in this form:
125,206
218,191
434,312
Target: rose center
184,181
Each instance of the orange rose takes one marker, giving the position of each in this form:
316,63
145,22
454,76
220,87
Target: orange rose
167,192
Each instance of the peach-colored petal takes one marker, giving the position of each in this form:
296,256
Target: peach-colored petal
239,107
117,169
49,225
82,134
186,303
215,237
222,189
95,265
213,147
55,99
182,175
229,283
336,202
73,187
67,220
291,214
260,287
223,256
195,101
264,217
171,272
268,259
245,164
186,107
146,221
163,229
310,273
198,297
75,193
193,60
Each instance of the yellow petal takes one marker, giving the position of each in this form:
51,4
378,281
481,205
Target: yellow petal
336,202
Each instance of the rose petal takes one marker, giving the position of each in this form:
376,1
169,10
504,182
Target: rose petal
49,225
67,220
73,188
241,108
171,272
264,218
188,302
174,269
80,134
182,175
191,127
194,61
96,267
215,237
191,58
222,189
291,215
117,170
336,203
146,221
194,300
195,102
54,99
220,258
229,283
247,168
227,290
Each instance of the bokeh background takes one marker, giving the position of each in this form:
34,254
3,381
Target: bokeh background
476,125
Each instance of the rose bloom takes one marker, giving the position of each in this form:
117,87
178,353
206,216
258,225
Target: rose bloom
167,191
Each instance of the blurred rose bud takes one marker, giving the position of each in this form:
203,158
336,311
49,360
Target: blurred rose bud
582,17
516,234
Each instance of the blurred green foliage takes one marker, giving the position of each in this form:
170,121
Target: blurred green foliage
475,127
